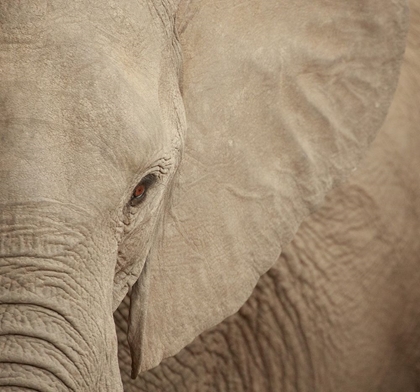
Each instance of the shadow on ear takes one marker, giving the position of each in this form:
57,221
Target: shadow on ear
282,99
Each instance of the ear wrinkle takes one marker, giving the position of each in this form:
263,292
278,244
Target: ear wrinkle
185,12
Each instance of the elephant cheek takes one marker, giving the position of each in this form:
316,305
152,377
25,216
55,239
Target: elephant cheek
56,326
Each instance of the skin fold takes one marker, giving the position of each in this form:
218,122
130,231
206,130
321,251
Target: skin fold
171,149
339,311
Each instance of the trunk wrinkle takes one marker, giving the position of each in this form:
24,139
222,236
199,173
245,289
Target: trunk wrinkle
48,313
67,386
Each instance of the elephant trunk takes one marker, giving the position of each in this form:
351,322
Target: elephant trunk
56,326
40,349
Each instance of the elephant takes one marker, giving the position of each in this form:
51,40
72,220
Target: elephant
169,150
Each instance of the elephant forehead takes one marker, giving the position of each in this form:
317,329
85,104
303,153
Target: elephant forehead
94,135
79,113
87,95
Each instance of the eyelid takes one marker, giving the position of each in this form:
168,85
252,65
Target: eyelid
148,179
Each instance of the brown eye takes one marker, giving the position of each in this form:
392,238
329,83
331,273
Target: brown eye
141,188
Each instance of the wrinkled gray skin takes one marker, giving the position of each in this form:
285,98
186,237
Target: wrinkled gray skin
339,311
91,103
68,102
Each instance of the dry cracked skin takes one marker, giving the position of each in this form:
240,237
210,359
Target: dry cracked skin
173,150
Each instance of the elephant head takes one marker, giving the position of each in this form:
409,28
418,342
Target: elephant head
172,148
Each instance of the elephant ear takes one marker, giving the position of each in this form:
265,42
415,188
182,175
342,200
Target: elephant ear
282,99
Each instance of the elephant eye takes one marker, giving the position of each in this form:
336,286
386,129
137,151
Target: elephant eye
141,188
